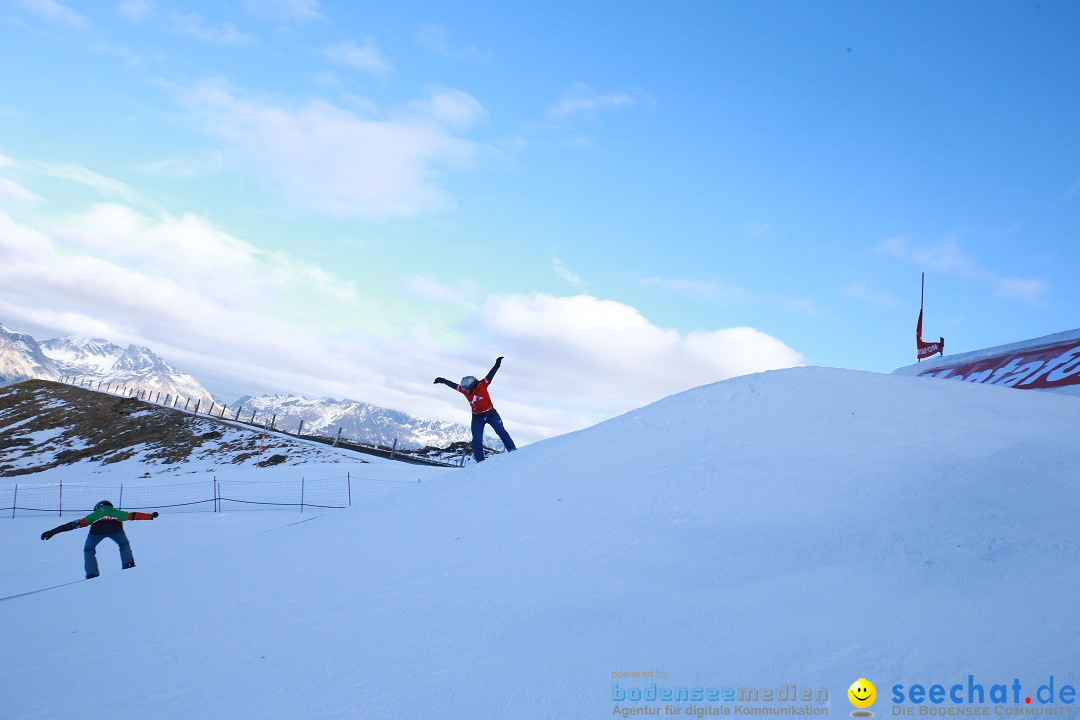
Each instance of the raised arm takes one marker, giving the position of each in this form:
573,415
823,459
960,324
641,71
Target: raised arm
446,382
494,368
59,529
114,513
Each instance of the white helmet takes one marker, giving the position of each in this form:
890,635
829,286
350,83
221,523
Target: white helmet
468,382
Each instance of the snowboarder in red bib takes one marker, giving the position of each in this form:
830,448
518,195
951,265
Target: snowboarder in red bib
105,522
483,411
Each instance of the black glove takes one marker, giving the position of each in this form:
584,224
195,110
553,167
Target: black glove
441,380
154,514
62,528
498,360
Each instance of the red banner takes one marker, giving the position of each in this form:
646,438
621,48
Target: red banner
1037,368
926,349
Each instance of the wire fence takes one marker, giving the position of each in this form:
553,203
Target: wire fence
32,500
451,457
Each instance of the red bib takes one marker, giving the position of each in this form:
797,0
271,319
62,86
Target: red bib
479,398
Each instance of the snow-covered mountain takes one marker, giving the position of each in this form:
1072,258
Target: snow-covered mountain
94,361
359,422
106,362
21,359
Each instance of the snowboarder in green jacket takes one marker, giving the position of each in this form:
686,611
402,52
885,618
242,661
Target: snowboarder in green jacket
105,522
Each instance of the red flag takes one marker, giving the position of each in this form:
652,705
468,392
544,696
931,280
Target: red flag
926,349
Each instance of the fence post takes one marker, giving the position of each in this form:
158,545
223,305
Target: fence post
301,430
217,502
301,496
338,438
61,497
348,478
121,505
14,501
393,449
272,421
197,403
252,420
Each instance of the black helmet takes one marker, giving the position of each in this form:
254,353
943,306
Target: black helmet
103,503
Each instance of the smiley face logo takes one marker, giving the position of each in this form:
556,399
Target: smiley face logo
862,693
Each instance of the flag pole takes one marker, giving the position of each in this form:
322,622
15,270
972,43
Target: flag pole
922,299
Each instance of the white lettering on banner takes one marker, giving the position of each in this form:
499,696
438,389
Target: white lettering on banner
1036,368
1065,371
1021,374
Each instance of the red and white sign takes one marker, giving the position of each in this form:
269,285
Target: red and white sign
1045,367
926,349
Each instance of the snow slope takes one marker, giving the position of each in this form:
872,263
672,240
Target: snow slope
809,526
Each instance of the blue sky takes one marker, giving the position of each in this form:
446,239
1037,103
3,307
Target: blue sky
624,199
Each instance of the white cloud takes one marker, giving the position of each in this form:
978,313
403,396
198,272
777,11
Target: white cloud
862,291
186,166
134,10
333,160
228,307
426,287
583,100
454,109
804,306
946,256
197,27
567,274
580,359
14,194
107,186
243,318
1025,289
700,290
297,11
757,229
368,58
437,39
54,12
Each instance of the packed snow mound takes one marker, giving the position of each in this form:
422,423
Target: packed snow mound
807,526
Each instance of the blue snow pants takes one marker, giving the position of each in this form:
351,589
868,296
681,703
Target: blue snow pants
479,420
90,550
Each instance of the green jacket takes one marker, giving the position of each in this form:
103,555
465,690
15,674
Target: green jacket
103,521
107,520
112,513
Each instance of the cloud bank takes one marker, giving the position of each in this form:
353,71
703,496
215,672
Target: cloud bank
237,316
330,159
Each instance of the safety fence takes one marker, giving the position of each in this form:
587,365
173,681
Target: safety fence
458,455
24,499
